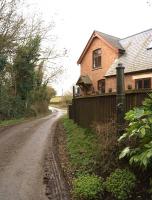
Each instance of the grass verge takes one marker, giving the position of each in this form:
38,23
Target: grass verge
96,169
82,147
10,122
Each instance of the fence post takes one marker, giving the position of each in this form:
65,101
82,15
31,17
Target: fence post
69,111
73,105
73,92
120,98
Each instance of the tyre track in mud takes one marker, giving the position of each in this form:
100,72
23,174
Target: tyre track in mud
22,154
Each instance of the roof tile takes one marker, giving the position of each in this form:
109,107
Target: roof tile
136,56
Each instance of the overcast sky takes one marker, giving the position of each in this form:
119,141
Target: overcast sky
76,20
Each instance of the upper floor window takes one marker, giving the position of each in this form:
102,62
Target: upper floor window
97,58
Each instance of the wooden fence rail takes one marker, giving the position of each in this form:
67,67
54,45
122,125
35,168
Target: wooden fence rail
102,108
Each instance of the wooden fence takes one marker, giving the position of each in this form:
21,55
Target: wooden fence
102,108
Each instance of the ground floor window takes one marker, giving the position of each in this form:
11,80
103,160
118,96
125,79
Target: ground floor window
144,83
101,86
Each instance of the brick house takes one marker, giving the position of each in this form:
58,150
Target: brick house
102,54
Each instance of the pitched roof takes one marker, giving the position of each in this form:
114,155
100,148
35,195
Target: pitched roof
136,57
84,80
112,41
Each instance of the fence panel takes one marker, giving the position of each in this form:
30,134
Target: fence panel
102,108
94,109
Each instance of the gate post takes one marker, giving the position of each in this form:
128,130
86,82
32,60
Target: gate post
120,98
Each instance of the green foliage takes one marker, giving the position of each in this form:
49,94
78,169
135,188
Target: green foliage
87,187
139,133
23,85
10,106
24,66
3,61
11,122
22,91
82,147
120,183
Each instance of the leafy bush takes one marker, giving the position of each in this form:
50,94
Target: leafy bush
87,187
139,130
120,183
10,106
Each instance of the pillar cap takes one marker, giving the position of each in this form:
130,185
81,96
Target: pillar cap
120,65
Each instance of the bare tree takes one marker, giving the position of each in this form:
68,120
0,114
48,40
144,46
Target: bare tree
16,29
11,24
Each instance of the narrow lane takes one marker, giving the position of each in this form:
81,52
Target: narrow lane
22,151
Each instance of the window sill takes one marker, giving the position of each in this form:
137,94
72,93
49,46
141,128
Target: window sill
96,68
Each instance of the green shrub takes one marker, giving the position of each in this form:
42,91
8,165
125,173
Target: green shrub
138,132
10,106
87,187
120,183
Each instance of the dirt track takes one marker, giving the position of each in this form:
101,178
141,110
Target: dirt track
22,153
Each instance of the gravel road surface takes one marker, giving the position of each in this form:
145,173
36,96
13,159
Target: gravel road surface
22,153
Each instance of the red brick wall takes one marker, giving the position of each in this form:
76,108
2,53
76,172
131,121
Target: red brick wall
111,81
108,57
